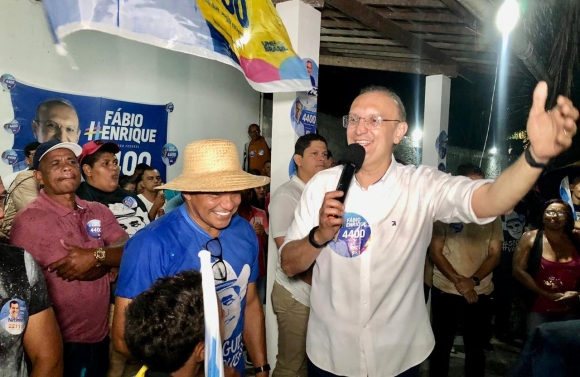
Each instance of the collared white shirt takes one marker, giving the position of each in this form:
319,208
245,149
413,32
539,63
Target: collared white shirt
368,315
282,206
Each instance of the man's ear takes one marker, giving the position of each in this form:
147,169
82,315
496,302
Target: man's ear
35,129
297,160
87,170
38,177
400,131
199,352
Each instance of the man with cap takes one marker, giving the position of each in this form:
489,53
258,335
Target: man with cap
100,169
76,243
211,182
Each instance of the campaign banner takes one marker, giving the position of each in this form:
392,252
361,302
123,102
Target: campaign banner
246,34
305,107
140,130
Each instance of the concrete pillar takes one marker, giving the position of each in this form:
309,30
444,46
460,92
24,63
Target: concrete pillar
302,23
436,120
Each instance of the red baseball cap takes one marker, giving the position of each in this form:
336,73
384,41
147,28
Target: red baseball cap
93,146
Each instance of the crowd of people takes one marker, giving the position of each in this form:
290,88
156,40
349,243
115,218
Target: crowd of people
352,273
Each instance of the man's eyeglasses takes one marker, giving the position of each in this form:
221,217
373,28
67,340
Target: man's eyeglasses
372,121
53,126
214,247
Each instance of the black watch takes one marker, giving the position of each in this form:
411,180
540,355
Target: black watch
476,280
263,368
530,160
313,241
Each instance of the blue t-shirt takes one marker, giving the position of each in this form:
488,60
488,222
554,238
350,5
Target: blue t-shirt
170,245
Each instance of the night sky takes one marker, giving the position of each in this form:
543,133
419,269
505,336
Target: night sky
469,108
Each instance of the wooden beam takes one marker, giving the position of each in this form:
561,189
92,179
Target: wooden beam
405,3
362,53
358,47
416,27
389,29
463,14
365,41
388,65
404,16
314,3
350,32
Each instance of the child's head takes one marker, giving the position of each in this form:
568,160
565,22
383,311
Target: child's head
164,326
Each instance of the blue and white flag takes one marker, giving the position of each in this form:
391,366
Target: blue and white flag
214,362
246,34
566,195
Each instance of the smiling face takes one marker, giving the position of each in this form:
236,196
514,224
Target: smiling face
14,308
104,174
212,211
59,172
377,142
60,122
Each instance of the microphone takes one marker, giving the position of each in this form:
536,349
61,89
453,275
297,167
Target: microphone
352,161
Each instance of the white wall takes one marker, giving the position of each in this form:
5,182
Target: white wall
212,100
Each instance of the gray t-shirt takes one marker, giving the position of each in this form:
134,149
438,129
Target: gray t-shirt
22,294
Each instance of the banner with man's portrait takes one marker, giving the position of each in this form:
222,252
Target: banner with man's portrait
140,130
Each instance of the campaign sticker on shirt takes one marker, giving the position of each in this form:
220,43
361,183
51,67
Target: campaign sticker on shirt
13,127
7,81
457,227
252,153
94,228
354,236
14,316
130,202
169,154
10,157
261,152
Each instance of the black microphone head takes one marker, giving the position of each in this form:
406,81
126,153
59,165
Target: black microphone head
355,155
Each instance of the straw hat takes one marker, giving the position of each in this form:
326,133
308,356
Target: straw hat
213,166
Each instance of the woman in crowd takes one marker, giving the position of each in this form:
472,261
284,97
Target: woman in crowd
547,264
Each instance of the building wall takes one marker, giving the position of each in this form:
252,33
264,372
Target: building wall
211,99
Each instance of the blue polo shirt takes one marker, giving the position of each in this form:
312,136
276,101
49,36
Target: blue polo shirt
171,244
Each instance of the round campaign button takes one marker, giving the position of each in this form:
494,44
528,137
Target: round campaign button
169,107
130,202
10,157
94,228
13,127
7,81
292,167
14,316
353,238
169,154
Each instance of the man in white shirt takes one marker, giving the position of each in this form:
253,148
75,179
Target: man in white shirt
367,312
291,296
154,199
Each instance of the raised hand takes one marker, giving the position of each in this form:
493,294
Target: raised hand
550,132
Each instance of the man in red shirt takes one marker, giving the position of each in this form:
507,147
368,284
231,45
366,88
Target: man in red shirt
76,243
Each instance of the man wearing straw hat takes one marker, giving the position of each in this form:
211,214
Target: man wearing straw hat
211,182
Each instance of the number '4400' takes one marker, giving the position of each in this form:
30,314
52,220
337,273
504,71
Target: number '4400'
238,8
355,233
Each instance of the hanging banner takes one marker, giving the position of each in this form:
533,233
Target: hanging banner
139,130
247,34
